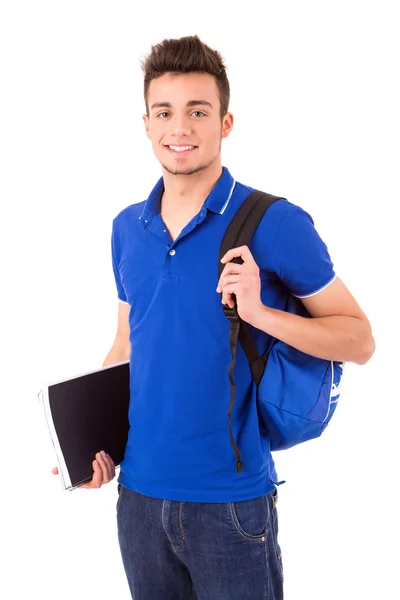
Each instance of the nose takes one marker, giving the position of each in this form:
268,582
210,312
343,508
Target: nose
182,131
180,126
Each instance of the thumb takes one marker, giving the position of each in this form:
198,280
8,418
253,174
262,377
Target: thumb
97,477
54,470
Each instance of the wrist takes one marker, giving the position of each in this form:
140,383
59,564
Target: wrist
259,316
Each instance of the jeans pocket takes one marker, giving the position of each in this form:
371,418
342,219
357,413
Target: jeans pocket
250,518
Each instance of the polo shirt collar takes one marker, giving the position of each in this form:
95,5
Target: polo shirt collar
219,197
217,200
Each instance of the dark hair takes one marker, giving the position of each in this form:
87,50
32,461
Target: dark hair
186,55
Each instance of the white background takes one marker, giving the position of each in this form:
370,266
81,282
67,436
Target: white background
316,103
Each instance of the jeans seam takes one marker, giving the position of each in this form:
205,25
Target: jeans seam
180,521
277,549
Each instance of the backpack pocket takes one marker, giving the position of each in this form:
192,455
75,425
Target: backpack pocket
297,395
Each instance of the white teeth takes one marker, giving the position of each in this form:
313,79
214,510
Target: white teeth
181,148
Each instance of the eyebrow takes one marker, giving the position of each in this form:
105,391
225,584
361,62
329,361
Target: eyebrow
190,103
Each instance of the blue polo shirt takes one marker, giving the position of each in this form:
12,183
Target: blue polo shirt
179,443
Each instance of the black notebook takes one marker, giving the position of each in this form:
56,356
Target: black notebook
85,414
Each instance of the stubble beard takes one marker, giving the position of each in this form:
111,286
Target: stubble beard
192,170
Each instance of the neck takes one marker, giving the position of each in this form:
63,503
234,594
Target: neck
187,193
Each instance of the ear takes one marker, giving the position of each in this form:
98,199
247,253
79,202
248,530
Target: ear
227,124
146,124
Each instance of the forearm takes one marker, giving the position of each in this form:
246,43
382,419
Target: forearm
340,338
118,353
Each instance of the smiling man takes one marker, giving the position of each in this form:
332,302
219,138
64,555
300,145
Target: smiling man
189,524
186,122
181,143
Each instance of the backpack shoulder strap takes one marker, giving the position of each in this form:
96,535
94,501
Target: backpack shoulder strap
244,223
239,233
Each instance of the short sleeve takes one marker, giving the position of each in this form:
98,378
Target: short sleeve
300,258
115,254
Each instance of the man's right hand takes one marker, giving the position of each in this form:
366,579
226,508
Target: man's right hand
103,471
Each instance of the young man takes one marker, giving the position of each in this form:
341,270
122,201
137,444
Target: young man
189,524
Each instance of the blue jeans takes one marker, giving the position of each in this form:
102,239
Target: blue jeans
200,551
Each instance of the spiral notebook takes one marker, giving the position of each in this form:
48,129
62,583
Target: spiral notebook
85,414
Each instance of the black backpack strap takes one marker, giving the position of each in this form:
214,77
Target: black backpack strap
239,233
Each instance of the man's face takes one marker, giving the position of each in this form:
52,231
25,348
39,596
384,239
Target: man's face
184,110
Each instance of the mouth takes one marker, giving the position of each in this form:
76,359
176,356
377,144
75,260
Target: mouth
180,150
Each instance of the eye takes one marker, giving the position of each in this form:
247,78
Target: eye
199,112
163,113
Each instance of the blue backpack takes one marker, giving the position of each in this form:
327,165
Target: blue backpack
296,393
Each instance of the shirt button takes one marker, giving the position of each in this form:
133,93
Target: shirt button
172,252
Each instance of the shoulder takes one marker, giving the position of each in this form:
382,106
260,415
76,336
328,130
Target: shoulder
280,210
286,242
281,219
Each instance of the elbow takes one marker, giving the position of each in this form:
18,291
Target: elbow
367,350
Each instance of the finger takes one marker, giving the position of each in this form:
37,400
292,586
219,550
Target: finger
233,288
109,466
103,465
229,279
227,293
229,270
112,464
97,478
242,251
227,299
54,470
232,268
